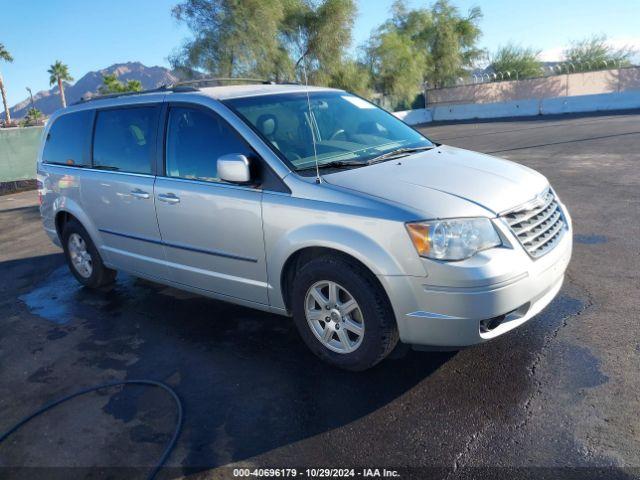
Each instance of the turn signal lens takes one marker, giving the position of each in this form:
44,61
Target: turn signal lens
419,233
453,239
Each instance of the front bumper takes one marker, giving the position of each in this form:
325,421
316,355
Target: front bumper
451,306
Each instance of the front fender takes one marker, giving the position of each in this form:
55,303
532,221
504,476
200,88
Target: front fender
340,238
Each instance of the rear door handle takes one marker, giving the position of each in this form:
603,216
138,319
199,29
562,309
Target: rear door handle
139,193
168,198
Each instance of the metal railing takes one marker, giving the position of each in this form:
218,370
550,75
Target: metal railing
183,86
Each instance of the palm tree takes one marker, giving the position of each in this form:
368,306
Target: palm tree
60,73
6,56
33,117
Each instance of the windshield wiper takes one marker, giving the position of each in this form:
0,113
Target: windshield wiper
397,153
361,163
336,164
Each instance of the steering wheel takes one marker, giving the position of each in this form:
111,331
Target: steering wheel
340,131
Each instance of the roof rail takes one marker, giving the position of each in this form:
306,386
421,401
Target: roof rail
213,81
161,88
185,86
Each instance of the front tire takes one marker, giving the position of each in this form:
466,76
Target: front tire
342,313
83,258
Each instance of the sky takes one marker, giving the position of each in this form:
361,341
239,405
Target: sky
90,35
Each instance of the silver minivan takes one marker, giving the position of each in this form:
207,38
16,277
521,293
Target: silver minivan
306,202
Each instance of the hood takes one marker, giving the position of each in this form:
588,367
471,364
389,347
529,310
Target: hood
489,182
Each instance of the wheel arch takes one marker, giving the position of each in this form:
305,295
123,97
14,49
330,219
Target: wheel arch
302,256
309,240
65,209
61,219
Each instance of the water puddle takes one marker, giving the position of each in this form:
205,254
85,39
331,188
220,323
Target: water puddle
60,298
581,368
53,300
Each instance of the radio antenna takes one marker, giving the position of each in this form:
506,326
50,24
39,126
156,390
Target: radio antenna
311,122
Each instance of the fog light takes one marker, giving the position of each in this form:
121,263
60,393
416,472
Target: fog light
490,323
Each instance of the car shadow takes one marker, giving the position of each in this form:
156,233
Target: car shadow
244,376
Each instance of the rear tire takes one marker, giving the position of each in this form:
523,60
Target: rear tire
328,331
83,258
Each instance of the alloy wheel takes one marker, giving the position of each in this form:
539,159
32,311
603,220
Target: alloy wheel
80,257
334,316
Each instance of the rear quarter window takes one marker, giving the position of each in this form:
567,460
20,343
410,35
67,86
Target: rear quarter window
66,142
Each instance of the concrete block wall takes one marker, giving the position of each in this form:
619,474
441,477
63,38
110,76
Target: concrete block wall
616,89
415,117
568,85
515,108
591,103
524,108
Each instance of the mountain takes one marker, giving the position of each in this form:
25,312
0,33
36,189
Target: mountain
48,101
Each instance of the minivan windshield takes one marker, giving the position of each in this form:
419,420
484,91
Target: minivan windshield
347,129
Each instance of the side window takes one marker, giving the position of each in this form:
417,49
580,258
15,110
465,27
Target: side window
195,140
67,139
124,139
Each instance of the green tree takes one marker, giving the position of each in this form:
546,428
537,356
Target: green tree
318,34
452,44
59,72
397,54
111,84
231,38
433,44
6,57
594,52
353,76
265,38
33,117
397,66
515,59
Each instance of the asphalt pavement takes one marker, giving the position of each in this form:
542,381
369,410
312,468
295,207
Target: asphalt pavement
556,398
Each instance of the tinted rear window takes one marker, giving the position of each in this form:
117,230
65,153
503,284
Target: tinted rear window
66,141
124,139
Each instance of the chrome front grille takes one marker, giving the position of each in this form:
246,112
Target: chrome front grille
538,225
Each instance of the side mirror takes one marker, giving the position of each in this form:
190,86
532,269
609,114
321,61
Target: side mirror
234,168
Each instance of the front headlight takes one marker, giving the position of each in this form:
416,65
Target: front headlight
453,239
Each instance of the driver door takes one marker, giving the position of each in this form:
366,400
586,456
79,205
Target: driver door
212,230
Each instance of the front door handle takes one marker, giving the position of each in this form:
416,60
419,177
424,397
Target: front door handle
139,193
168,198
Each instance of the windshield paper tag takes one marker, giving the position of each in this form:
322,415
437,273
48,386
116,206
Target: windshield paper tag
358,102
